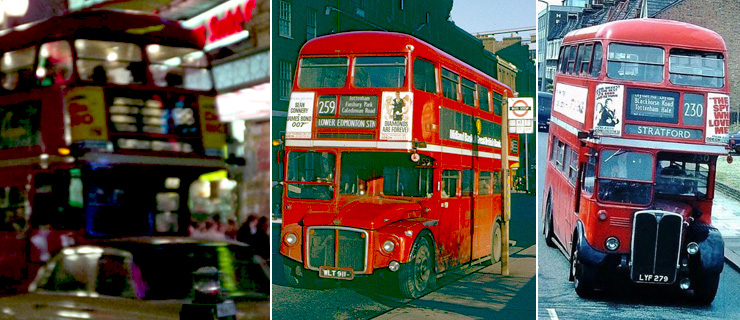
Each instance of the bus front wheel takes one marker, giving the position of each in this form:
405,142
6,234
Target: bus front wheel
582,283
418,274
705,288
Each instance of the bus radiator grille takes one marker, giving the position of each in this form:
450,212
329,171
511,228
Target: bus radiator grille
348,252
656,242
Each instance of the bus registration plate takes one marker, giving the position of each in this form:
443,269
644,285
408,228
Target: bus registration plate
652,278
336,273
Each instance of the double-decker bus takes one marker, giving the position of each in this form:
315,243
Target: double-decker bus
106,119
638,121
393,162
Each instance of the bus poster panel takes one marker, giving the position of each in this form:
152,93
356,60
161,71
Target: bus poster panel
112,135
393,162
638,121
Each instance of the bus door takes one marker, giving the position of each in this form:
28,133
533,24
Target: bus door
451,218
483,209
468,224
563,190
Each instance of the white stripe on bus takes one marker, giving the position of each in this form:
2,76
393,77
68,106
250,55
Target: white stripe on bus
648,144
392,145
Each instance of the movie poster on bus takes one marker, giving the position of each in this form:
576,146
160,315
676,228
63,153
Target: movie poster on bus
300,116
608,108
396,115
570,101
718,118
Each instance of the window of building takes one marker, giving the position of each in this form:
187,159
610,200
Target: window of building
468,92
425,78
483,98
450,80
285,19
310,23
286,79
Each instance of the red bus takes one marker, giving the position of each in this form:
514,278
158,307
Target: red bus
107,119
638,120
393,162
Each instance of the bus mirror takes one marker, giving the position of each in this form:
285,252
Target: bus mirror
583,135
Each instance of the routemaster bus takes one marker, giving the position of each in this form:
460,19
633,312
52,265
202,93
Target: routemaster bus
638,121
107,118
393,162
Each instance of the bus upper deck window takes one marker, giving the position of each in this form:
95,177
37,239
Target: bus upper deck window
107,61
637,63
425,77
17,68
55,62
323,72
450,80
696,68
179,67
380,72
597,60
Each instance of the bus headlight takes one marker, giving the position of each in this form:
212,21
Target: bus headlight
612,243
291,239
388,246
692,248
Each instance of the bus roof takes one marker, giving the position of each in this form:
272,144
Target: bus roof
95,24
652,31
392,42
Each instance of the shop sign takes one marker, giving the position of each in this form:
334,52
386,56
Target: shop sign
222,21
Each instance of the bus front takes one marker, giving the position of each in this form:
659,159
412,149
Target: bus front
656,123
356,188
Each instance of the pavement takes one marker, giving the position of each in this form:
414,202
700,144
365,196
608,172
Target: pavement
726,218
482,294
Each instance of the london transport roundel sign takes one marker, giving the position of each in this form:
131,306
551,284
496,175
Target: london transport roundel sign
521,108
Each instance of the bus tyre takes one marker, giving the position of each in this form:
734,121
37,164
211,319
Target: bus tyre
496,242
418,274
296,275
547,225
580,273
705,288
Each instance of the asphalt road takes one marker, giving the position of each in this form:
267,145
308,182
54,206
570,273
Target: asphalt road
558,300
472,292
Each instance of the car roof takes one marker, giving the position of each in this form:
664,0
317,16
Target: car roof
544,94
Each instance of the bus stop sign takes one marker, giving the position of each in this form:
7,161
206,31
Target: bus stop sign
521,115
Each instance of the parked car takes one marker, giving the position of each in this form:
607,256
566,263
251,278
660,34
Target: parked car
544,103
735,142
143,278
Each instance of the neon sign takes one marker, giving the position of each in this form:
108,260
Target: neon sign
223,24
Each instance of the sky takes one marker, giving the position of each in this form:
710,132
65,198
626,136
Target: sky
490,15
541,6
